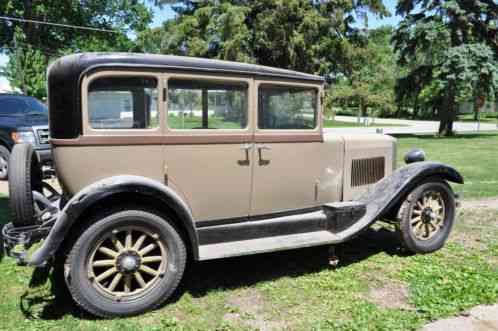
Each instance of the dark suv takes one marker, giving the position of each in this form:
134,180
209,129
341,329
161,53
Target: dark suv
23,119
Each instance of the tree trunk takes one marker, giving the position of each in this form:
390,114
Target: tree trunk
447,113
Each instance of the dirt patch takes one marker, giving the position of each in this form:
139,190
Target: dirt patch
390,296
247,307
491,203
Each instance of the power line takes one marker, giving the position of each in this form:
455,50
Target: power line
16,19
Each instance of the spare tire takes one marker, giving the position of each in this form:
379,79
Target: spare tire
25,175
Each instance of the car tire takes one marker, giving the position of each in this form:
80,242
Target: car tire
25,175
426,217
4,163
122,292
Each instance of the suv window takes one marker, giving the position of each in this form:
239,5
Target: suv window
286,107
123,102
194,104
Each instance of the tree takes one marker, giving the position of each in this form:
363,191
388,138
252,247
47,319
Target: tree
450,48
304,35
31,46
370,74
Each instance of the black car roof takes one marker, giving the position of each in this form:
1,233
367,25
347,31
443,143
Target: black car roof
86,61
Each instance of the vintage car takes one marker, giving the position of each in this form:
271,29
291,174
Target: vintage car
165,159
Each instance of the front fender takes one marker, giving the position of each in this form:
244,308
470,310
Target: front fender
102,189
387,193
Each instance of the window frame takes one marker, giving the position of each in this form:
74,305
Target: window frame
213,78
290,84
89,130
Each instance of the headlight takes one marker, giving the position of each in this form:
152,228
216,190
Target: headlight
26,137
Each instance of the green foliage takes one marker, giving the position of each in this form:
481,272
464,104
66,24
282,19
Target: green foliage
303,35
31,46
450,49
371,75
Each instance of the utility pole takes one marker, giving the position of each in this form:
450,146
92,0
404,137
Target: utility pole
19,66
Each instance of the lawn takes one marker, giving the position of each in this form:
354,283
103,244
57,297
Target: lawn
377,285
475,156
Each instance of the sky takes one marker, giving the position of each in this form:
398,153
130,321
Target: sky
165,13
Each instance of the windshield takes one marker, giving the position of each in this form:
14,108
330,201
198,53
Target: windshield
13,105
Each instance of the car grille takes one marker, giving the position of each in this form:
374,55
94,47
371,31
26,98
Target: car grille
43,136
367,171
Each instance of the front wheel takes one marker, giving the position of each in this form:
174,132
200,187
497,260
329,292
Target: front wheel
427,216
126,263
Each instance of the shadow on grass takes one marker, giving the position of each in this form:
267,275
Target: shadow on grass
231,273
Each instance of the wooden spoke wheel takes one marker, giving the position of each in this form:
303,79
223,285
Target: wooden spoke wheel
125,263
426,216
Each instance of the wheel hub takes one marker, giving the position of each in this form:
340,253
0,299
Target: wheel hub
128,262
428,215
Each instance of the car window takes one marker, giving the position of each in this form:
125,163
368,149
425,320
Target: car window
285,107
12,105
194,104
123,103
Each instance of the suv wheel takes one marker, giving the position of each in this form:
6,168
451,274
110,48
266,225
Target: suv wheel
427,216
125,263
4,163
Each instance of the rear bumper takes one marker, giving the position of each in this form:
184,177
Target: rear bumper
15,241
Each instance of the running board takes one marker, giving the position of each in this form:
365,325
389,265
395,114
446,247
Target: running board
334,223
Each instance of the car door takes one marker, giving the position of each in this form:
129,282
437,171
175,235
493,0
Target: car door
207,144
288,144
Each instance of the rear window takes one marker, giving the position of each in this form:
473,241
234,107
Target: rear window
123,103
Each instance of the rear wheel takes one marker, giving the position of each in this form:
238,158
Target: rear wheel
125,264
25,176
4,163
427,216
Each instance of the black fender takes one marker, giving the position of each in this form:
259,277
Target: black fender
105,188
390,191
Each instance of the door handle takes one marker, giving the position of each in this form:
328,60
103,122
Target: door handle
246,148
261,148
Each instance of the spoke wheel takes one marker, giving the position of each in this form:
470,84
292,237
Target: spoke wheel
428,215
127,261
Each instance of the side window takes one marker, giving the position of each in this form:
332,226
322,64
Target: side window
194,104
123,103
285,107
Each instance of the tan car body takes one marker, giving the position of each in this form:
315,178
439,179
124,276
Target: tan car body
206,168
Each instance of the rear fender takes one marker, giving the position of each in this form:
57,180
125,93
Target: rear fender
95,192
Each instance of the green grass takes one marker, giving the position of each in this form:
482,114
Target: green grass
475,156
191,122
292,290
